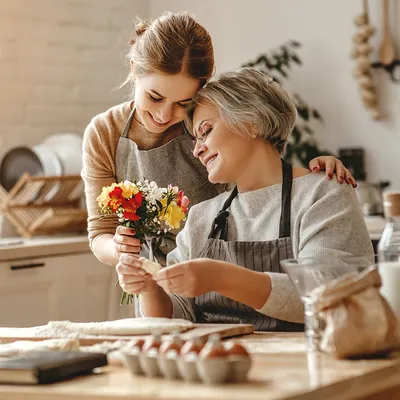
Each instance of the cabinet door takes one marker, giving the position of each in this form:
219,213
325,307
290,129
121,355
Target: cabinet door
68,287
84,287
28,292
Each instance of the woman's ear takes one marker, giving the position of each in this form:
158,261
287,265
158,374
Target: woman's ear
252,131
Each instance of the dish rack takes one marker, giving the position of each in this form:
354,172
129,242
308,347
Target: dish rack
40,205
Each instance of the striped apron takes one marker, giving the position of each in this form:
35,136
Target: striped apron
212,307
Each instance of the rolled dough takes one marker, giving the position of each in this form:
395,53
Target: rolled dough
149,266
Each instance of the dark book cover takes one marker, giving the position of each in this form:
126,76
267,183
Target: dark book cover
49,366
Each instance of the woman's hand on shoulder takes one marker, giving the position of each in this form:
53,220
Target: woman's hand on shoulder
331,165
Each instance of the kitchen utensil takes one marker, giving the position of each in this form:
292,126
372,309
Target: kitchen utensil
68,148
370,198
15,163
39,160
387,49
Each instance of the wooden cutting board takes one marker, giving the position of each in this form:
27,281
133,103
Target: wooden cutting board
202,331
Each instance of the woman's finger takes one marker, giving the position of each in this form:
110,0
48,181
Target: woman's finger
349,178
171,285
130,259
124,269
314,165
132,288
340,171
124,244
129,279
123,230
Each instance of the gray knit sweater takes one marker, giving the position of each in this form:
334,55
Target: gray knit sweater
325,221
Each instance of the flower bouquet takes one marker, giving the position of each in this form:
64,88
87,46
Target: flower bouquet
151,211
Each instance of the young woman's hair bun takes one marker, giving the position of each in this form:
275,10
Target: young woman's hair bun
141,27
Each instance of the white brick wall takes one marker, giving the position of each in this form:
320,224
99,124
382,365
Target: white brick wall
59,63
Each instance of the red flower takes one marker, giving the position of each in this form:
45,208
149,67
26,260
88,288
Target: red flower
182,201
115,198
130,206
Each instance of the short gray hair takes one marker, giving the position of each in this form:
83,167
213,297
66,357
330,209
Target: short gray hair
250,103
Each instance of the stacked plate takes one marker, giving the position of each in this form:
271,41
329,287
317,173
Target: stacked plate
59,154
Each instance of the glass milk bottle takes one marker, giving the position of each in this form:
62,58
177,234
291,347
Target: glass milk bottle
389,251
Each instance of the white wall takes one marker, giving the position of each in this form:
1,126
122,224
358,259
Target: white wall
59,63
243,29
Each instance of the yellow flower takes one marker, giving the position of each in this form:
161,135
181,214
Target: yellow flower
128,189
173,215
104,198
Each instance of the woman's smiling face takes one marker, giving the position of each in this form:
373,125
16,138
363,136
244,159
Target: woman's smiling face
160,99
224,153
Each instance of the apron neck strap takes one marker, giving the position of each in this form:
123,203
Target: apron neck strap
287,180
125,133
220,224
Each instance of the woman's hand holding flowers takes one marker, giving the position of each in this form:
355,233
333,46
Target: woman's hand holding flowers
124,242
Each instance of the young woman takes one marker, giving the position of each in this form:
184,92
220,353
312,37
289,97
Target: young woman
226,267
171,60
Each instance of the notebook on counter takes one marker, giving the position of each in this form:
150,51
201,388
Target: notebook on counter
49,366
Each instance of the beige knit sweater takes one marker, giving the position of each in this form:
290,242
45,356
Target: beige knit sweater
99,165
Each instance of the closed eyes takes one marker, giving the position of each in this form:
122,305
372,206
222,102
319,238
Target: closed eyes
159,99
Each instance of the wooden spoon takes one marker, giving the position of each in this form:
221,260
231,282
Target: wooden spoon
386,50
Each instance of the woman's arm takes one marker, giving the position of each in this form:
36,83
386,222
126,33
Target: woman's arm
256,289
106,239
333,225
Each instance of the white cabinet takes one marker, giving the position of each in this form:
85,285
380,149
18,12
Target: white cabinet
36,290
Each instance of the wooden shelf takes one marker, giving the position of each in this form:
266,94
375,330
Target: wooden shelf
39,205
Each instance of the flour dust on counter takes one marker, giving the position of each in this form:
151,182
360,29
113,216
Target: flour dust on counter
126,326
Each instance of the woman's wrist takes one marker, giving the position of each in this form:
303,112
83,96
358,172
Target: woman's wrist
240,284
156,303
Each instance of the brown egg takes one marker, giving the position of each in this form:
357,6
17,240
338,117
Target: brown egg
174,344
153,342
235,349
192,346
213,348
136,343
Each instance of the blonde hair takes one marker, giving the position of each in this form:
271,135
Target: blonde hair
173,43
249,103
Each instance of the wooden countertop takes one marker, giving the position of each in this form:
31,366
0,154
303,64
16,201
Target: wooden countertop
42,246
282,370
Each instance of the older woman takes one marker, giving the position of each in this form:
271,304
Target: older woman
226,267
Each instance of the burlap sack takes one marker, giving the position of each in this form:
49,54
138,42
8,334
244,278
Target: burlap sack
358,320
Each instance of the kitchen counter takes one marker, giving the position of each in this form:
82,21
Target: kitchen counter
42,246
281,370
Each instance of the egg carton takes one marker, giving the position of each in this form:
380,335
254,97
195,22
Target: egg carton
215,363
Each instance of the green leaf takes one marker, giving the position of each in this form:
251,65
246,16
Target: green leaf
303,112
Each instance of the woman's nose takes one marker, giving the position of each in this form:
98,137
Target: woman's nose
199,148
165,113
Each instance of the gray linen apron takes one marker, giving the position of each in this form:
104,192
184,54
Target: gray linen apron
172,163
212,307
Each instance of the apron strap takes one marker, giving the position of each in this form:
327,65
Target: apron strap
220,222
287,180
128,124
